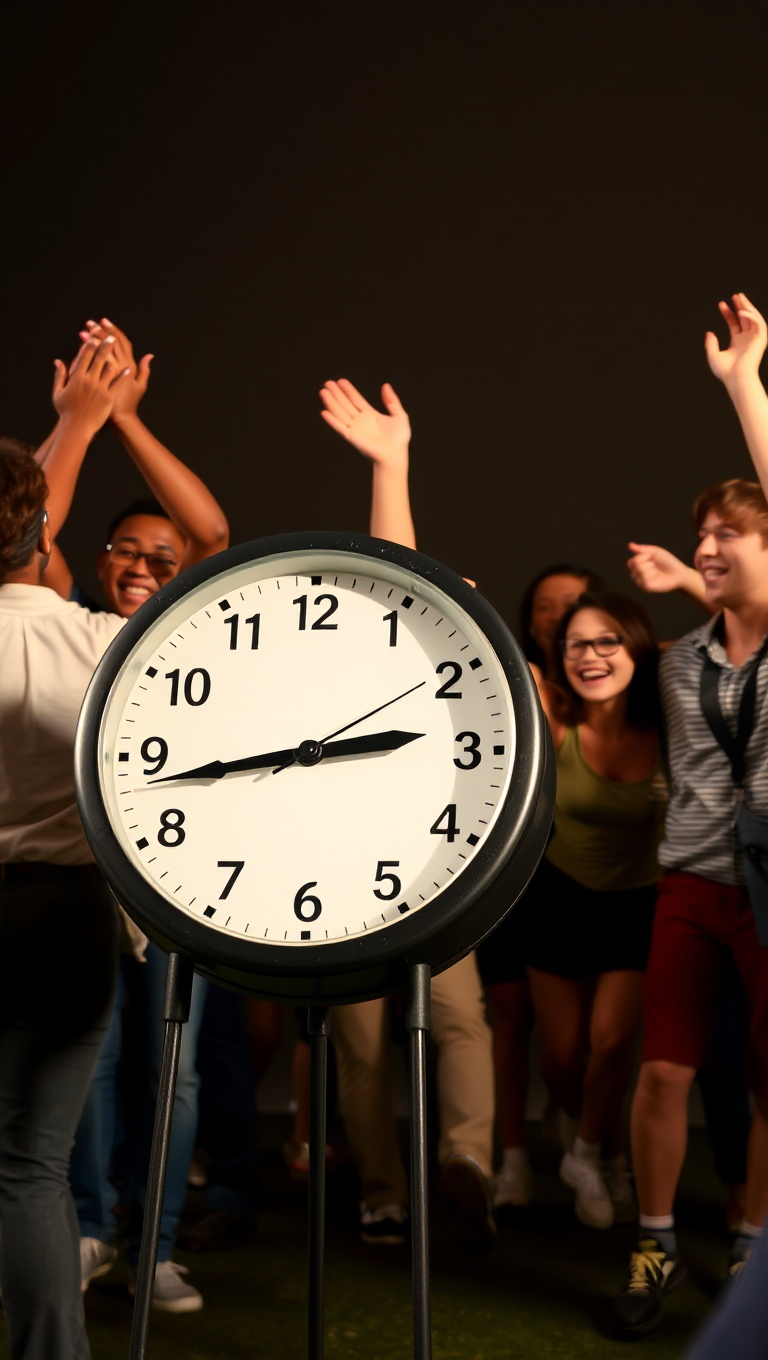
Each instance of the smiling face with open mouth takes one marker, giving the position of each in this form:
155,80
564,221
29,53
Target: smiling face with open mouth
596,662
733,565
146,551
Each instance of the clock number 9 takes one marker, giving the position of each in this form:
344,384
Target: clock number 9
393,879
160,758
302,899
471,750
169,828
445,691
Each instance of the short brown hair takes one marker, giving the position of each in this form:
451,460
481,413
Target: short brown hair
740,503
23,493
636,629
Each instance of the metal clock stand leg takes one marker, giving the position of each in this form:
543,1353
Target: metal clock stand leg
417,1024
319,1029
178,994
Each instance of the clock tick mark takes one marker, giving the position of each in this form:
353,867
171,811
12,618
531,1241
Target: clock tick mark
207,615
305,934
462,856
494,786
498,750
450,871
406,601
402,907
224,605
473,839
194,625
124,755
392,591
354,583
143,687
464,648
165,871
277,583
209,911
423,612
173,644
439,621
316,581
151,671
130,720
437,885
152,860
134,704
242,597
229,918
423,898
482,823
335,580
474,663
133,828
453,634
373,587
194,899
177,889
162,658
142,844
258,587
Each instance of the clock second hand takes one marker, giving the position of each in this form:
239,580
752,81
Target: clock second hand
339,730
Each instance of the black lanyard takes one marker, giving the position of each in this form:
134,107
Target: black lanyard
735,747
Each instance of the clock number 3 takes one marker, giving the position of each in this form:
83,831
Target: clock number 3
471,750
304,899
171,833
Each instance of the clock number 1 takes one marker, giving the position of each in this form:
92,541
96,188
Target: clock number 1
303,899
391,619
233,623
451,830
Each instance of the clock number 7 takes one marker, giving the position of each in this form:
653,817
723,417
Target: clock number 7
233,623
302,899
237,865
451,830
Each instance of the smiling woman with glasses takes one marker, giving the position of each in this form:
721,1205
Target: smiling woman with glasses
591,904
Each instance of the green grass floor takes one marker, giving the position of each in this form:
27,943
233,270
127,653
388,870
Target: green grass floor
544,1294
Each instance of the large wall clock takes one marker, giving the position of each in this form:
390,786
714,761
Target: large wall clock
312,761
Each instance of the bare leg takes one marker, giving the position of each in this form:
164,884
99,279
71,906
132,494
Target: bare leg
512,1021
562,1007
756,1206
617,1012
660,1133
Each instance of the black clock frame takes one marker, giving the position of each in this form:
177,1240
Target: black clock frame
367,965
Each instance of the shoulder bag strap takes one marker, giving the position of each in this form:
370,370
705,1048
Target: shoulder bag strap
734,747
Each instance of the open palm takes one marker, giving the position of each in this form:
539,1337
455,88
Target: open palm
383,438
747,336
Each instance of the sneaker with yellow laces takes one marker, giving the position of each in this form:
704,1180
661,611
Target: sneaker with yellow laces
652,1273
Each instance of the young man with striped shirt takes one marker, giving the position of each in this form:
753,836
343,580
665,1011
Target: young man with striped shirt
704,919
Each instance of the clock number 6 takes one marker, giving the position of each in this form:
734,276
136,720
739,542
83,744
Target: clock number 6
392,878
169,828
302,899
451,830
471,750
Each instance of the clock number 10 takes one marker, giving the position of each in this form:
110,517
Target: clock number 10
197,686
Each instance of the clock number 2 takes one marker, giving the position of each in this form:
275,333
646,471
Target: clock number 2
170,829
451,830
445,691
392,878
303,899
320,623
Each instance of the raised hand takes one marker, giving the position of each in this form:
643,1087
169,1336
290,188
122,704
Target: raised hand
382,438
85,395
748,336
131,393
656,570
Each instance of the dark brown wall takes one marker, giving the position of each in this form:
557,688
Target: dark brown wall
522,215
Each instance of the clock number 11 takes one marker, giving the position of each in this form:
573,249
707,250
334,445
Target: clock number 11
233,623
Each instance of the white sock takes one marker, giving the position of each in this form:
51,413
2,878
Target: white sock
513,1156
749,1230
661,1223
582,1149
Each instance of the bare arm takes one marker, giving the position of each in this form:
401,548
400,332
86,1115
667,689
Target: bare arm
194,511
738,368
657,571
385,440
548,697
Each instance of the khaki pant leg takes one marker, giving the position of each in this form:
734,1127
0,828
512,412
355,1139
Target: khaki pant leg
362,1039
464,1064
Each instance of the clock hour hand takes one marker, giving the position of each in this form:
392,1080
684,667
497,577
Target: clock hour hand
368,745
355,723
216,769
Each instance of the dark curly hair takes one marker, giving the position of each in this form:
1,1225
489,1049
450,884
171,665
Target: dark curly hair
531,650
23,493
636,629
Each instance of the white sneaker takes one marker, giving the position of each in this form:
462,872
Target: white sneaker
593,1203
172,1294
96,1258
513,1184
618,1182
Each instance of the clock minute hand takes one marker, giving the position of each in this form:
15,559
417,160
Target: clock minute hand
369,745
216,769
357,721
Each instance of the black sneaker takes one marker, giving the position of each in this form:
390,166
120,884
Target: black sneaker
652,1273
467,1191
386,1226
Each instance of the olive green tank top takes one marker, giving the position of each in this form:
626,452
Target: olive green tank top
606,833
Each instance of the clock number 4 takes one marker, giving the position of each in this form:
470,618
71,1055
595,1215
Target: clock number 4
381,876
445,691
171,833
233,623
451,830
320,623
193,693
303,899
237,865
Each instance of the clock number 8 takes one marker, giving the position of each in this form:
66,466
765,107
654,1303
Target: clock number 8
302,899
169,828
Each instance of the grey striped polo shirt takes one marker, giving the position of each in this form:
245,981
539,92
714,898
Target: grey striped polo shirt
699,833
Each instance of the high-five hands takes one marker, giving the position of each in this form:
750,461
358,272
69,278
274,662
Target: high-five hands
85,394
132,392
748,336
382,438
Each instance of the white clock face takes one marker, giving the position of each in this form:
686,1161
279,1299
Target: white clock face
399,711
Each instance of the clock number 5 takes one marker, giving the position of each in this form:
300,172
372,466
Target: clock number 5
471,750
451,830
392,878
320,623
303,899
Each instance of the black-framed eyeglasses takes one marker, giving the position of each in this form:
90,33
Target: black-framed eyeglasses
606,645
160,565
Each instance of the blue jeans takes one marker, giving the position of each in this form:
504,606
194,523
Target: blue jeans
91,1159
739,1324
58,952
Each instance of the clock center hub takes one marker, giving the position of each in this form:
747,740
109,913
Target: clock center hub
309,753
